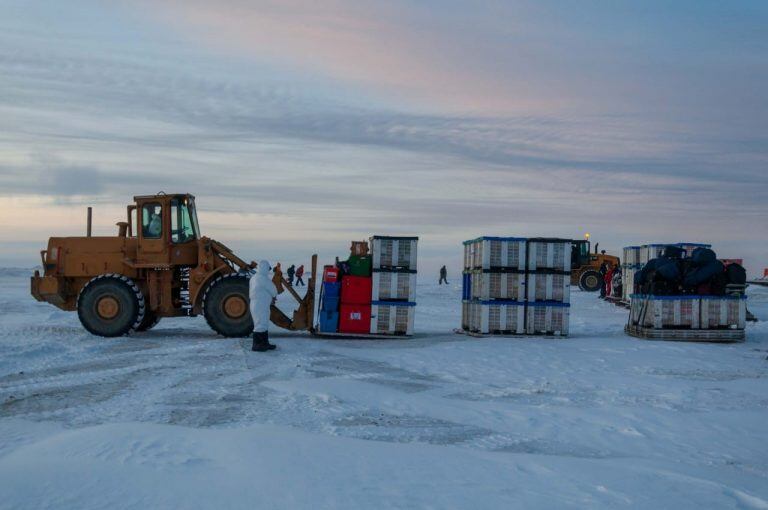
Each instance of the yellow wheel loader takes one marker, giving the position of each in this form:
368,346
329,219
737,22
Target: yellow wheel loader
158,265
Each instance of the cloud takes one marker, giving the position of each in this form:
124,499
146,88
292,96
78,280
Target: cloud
539,57
274,157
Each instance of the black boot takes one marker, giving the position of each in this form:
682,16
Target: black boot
270,346
261,342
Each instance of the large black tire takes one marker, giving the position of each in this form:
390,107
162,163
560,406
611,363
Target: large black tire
111,305
226,306
591,281
150,321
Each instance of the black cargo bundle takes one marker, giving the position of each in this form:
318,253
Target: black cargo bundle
700,274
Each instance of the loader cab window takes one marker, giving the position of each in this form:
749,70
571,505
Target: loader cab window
183,220
152,221
579,254
133,222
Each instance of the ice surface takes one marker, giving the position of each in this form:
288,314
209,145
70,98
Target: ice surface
179,418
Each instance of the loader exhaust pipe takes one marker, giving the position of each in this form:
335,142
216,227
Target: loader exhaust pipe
89,222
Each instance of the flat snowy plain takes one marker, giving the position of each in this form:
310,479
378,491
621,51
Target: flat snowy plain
178,418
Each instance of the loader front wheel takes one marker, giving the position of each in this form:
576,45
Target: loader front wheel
591,281
225,306
111,305
150,321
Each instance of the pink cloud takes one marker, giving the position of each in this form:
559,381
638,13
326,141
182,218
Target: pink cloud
370,45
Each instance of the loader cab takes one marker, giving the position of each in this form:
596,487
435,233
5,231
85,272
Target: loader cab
580,253
166,228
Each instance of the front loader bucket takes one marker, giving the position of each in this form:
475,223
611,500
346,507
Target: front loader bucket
304,315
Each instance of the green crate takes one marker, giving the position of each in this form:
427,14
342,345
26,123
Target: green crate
360,265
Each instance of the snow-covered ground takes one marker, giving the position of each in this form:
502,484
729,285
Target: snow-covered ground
178,418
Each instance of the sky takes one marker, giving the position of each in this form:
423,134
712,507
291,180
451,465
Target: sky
302,125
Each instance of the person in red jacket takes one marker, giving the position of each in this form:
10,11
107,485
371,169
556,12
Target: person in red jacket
609,280
299,274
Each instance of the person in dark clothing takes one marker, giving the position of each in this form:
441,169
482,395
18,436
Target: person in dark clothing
290,272
299,275
603,270
443,275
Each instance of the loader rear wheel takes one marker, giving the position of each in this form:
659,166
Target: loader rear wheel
591,281
225,306
150,321
111,305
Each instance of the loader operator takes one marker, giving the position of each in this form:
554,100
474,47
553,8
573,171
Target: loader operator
262,293
155,226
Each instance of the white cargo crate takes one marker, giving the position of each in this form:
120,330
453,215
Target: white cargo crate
549,254
392,317
397,285
547,318
665,311
688,312
465,311
486,285
394,252
494,253
627,282
496,317
631,256
548,287
719,312
467,255
651,251
689,247
676,313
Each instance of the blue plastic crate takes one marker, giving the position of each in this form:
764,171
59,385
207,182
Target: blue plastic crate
329,321
330,304
331,289
466,289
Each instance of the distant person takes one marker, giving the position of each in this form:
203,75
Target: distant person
603,270
290,272
261,293
443,275
299,275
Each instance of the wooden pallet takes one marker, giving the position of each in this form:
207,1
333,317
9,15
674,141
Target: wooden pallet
475,334
687,335
358,336
617,301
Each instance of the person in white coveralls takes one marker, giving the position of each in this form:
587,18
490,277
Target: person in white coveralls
262,293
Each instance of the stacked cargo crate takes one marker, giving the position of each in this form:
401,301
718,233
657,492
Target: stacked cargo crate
548,286
494,285
330,292
345,295
515,285
393,285
688,317
356,285
631,264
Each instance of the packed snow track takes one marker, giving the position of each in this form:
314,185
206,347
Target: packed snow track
177,417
